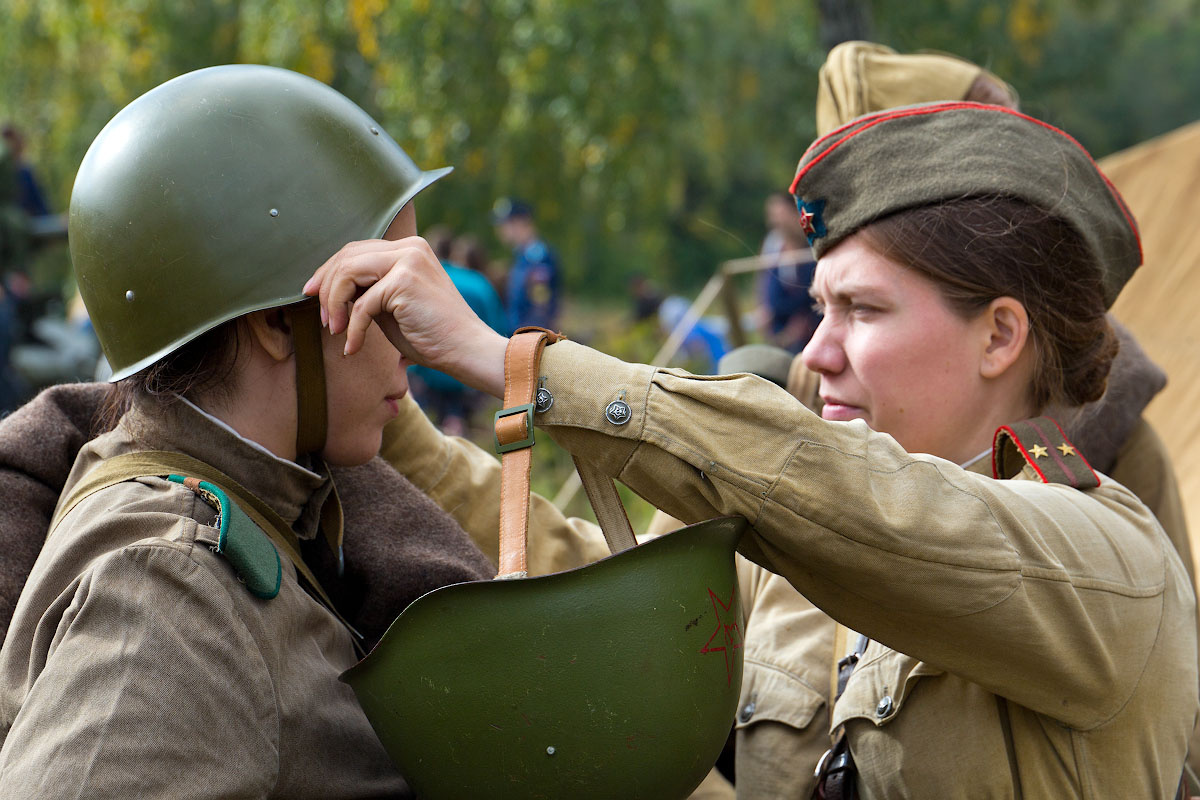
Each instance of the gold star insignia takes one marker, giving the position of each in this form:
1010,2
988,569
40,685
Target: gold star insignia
1039,451
1066,449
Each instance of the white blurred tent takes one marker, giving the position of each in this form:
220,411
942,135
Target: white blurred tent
1160,180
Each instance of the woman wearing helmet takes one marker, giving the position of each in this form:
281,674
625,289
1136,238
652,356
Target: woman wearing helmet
174,638
1031,630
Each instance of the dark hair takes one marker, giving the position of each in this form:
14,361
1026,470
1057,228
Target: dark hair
439,238
199,367
977,249
989,89
467,251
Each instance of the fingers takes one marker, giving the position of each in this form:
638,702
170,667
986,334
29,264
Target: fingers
362,314
342,282
350,272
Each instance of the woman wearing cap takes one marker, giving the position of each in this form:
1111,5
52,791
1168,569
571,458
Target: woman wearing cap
161,645
1031,631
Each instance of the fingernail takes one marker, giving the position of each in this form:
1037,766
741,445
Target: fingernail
324,317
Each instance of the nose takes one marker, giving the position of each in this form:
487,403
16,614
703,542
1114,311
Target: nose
824,354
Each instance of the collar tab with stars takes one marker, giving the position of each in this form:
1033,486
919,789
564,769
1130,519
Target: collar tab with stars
1040,444
812,220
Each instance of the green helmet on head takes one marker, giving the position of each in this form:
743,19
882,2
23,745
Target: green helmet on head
219,193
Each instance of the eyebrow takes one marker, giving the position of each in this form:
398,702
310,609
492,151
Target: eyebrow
847,291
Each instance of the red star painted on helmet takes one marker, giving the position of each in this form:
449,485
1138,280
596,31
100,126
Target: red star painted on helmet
806,222
730,633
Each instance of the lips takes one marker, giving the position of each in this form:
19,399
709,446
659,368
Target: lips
839,410
393,401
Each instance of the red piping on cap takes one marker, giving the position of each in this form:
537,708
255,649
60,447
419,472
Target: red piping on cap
885,116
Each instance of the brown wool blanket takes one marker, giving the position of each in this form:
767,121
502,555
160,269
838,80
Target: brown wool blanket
398,543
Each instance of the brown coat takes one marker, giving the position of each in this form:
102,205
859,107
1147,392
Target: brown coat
134,649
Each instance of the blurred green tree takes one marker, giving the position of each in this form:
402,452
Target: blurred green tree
646,134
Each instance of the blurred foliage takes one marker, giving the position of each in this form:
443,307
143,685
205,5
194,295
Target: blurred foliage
646,134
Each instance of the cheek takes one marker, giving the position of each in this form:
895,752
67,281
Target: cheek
906,368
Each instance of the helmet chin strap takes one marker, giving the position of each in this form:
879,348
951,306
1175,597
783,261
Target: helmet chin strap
304,318
305,321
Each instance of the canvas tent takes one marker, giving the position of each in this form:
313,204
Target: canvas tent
1160,180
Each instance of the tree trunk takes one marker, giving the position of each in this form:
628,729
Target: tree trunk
843,21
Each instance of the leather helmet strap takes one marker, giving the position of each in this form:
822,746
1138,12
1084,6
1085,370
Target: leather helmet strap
305,321
521,360
606,503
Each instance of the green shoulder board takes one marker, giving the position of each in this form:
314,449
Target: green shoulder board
1040,444
248,549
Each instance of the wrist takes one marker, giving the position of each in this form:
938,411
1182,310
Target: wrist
482,365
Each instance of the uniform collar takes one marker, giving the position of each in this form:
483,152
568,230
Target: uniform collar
980,464
295,492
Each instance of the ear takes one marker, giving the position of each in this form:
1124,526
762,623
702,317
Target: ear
270,332
1005,331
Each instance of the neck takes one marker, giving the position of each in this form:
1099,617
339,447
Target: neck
977,436
261,406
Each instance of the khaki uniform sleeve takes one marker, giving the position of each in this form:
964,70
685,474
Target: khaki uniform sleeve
1144,467
1046,595
133,698
465,481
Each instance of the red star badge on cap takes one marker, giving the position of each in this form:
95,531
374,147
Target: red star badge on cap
806,222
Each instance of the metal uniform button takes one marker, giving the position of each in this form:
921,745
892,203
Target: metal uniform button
885,706
618,412
747,712
543,400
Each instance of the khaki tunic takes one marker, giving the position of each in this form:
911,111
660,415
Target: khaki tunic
137,665
465,481
1023,634
1141,464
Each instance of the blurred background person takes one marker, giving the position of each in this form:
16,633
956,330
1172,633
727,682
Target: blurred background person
14,249
787,308
534,280
467,251
645,295
30,196
447,400
704,343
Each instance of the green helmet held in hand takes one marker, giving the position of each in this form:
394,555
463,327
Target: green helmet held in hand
219,193
619,679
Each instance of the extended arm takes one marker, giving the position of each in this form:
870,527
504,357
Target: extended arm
967,573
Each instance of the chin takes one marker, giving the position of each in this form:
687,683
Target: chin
352,454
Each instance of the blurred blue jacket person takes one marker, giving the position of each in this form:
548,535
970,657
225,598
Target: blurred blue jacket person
534,281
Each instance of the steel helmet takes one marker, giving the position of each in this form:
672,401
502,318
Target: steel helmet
219,193
618,679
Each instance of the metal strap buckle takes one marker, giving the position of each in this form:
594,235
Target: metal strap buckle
527,410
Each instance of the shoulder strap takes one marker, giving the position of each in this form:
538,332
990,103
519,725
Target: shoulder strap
848,647
161,463
240,540
514,438
1041,444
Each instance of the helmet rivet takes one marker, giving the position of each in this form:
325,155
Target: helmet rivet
129,295
374,130
274,212
550,750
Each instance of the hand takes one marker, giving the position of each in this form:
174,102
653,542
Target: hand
402,286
